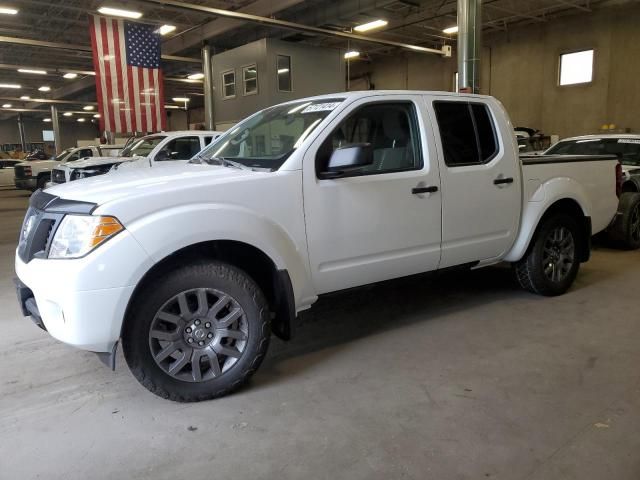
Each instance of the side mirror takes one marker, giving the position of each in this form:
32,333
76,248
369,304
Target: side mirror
348,159
162,155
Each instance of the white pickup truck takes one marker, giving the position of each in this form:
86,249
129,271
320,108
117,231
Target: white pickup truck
36,174
192,266
179,145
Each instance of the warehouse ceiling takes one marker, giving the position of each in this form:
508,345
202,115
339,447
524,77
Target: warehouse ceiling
418,22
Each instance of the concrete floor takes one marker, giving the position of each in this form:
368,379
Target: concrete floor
448,377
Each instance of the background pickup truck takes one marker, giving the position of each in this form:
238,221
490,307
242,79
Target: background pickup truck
31,175
156,148
192,266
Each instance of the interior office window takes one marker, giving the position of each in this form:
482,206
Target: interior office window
250,79
467,133
390,128
229,84
576,67
283,66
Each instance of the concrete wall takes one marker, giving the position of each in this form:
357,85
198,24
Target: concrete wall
314,71
520,68
70,131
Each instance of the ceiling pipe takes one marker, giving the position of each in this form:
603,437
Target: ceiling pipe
273,22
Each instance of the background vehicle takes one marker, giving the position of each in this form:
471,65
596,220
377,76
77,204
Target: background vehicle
193,265
31,175
625,231
158,147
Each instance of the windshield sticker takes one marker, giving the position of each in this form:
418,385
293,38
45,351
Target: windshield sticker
629,140
321,107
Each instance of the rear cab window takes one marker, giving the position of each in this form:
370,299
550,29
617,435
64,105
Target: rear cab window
467,132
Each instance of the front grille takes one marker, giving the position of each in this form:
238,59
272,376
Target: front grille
36,233
21,172
57,176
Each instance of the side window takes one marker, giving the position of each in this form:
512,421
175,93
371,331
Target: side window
467,133
207,139
73,157
390,128
229,84
182,148
86,153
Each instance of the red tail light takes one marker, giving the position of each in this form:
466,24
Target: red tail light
619,179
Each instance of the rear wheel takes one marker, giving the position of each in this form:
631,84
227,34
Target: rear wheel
551,263
625,231
200,334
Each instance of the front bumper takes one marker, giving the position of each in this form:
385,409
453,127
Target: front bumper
82,302
28,183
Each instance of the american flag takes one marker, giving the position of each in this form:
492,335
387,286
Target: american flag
129,84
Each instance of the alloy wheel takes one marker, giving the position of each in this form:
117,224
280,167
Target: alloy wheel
559,254
198,334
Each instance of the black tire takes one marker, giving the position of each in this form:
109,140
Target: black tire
625,231
150,307
534,270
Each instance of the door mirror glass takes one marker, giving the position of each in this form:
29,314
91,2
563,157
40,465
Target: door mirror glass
350,158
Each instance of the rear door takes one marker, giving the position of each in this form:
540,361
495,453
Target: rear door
383,222
481,186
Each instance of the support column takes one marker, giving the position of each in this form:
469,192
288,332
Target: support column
23,141
56,129
469,45
209,122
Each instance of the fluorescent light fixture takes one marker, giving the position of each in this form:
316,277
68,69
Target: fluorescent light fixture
8,10
283,70
7,105
81,120
70,75
46,119
450,30
119,12
351,54
165,29
25,97
9,85
97,115
196,76
180,99
365,27
44,89
88,107
32,70
171,107
67,114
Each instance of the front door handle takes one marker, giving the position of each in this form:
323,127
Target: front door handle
419,190
503,181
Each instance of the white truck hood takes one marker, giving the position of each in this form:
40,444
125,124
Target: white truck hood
97,161
165,178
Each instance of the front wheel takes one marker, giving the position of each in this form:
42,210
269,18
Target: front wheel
551,263
199,333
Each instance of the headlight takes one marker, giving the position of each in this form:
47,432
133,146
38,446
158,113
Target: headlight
77,235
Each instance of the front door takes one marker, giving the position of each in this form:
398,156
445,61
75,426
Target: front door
381,222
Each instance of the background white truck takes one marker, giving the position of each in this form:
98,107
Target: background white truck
192,266
34,174
179,145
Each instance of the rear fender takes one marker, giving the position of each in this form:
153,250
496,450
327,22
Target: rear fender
543,199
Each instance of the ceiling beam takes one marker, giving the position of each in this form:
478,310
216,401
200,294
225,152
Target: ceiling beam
284,24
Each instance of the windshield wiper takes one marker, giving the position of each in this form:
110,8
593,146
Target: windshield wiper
231,163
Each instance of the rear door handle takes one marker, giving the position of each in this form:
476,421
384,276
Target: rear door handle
502,181
418,190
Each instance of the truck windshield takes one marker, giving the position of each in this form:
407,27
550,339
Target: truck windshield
142,147
266,139
63,155
627,149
